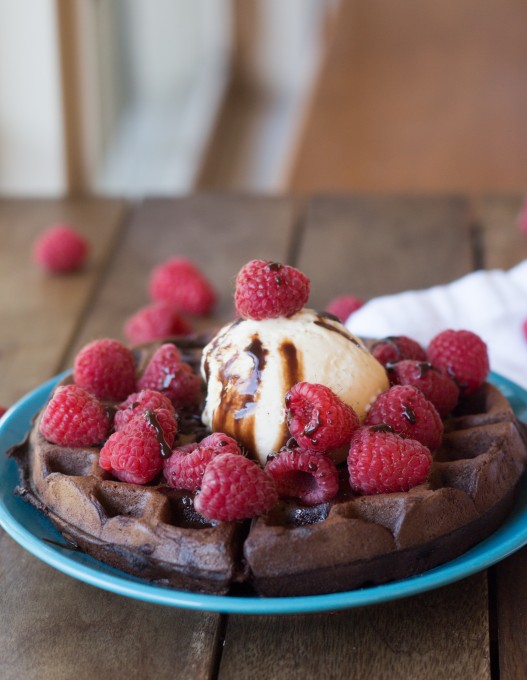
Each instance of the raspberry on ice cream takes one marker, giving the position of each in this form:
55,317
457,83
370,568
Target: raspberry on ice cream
267,290
106,369
250,365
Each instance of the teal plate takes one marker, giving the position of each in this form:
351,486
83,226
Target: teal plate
34,532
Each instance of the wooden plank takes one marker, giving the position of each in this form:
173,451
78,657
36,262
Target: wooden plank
372,245
504,246
408,99
40,313
56,628
399,640
218,232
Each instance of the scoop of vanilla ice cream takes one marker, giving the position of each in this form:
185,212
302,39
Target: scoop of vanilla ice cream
250,365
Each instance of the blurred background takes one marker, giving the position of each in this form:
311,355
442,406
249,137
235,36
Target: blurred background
159,97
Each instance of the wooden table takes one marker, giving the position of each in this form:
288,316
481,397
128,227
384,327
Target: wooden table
54,627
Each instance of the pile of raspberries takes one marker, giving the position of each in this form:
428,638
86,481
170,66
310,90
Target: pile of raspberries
135,422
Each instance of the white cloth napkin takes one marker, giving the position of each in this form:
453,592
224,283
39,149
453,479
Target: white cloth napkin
492,304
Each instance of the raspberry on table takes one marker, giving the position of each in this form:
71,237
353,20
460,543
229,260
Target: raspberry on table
186,466
436,385
168,374
60,249
463,356
2,411
267,290
343,306
181,283
105,368
311,477
234,487
396,348
383,462
74,417
409,413
134,454
318,419
155,322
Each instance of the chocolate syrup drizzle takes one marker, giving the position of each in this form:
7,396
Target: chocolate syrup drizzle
166,450
235,412
292,372
330,327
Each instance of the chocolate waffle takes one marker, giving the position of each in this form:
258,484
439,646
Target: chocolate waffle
153,531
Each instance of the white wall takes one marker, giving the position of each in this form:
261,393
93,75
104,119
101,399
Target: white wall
31,137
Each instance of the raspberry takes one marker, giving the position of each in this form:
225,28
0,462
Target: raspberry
133,454
344,306
163,421
318,419
186,466
267,290
407,411
396,348
180,282
221,442
310,477
106,369
138,403
60,249
2,411
463,356
74,417
383,462
167,374
437,387
234,487
155,322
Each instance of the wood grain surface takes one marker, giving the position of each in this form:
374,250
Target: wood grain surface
504,246
41,313
54,627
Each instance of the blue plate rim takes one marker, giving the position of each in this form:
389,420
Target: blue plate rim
511,536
